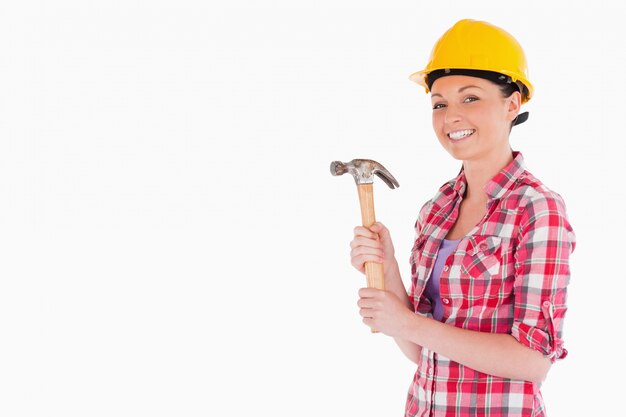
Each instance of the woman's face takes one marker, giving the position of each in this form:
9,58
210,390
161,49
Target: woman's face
471,118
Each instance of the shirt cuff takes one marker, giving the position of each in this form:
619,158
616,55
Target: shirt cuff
544,341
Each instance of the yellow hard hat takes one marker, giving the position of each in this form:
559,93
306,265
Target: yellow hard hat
473,47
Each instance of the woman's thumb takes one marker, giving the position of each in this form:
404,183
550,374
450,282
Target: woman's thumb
379,228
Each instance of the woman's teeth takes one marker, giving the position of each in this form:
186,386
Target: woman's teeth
460,134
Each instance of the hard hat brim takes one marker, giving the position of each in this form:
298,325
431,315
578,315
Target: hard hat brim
420,77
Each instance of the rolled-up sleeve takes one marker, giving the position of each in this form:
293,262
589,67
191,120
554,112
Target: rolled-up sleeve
542,274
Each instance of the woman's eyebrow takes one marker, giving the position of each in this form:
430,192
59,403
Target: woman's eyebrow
468,86
460,90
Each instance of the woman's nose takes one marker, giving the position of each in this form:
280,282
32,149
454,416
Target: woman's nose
453,114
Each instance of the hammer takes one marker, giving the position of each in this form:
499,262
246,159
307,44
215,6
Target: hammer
363,171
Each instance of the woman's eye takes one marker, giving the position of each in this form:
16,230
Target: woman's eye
439,106
470,99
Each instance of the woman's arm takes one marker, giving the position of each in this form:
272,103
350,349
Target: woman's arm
393,283
495,354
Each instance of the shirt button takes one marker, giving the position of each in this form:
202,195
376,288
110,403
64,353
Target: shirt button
483,246
430,372
446,301
446,267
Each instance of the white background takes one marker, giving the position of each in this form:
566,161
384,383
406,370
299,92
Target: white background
173,244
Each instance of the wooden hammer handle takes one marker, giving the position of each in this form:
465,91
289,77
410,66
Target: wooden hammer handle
373,270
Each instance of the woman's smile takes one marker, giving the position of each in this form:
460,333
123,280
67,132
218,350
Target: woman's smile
458,135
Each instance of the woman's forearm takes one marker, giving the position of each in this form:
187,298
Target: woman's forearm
495,354
393,283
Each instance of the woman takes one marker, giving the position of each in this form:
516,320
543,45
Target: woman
490,264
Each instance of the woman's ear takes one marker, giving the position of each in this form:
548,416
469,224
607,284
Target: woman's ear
514,105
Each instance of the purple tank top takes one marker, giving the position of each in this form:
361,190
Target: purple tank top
432,287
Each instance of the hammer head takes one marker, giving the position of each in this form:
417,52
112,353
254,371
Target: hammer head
363,171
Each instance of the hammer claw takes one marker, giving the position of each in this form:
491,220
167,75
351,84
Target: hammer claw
387,178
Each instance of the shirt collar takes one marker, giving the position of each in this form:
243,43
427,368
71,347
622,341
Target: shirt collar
498,186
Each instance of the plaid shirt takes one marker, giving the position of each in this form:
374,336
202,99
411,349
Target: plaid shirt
508,275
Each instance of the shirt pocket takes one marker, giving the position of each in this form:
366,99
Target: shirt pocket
483,257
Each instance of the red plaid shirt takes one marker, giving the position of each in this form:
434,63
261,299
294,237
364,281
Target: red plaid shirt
508,275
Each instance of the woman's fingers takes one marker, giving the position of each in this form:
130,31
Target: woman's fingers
359,262
365,232
362,254
367,250
363,241
367,246
366,312
365,308
368,304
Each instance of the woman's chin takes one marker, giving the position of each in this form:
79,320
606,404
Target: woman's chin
459,155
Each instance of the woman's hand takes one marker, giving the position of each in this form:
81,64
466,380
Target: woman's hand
372,245
385,312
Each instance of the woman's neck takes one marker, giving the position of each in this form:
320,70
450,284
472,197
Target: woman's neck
479,172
